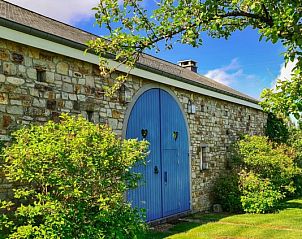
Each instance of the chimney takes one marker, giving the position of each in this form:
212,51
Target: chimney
189,64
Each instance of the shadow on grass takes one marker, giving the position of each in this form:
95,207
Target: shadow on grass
199,219
183,225
290,204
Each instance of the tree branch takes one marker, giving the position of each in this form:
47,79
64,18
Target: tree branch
267,20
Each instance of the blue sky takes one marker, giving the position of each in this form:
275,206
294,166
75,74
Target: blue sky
241,62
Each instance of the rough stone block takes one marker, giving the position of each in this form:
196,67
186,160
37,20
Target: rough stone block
68,104
66,79
14,110
28,61
4,55
6,121
50,95
50,77
15,102
21,71
62,68
81,97
116,114
73,97
60,104
74,81
76,105
77,89
31,73
113,123
64,96
67,87
82,81
41,103
3,99
2,78
15,81
9,69
34,92
58,77
2,108
90,81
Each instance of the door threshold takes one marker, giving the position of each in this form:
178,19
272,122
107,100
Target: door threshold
170,218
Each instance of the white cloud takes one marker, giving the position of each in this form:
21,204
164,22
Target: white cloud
228,74
68,11
285,72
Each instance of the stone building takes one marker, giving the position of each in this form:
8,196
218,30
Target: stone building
190,120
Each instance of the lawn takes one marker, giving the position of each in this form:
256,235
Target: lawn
285,224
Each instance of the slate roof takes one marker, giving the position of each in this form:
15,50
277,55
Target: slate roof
39,23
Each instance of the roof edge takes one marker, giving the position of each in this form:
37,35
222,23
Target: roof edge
60,40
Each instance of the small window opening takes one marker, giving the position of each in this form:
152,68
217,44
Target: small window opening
89,115
203,158
41,75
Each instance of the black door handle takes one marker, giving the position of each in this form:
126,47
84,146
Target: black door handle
156,170
165,177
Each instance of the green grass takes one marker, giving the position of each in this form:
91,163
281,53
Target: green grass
285,224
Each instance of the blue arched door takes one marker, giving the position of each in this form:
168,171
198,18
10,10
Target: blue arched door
165,187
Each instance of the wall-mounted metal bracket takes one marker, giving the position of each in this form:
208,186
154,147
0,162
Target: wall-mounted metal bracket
144,133
175,135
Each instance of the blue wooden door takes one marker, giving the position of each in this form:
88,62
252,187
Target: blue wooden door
175,157
164,188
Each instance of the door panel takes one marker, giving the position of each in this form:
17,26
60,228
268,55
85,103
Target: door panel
170,167
145,116
175,160
166,192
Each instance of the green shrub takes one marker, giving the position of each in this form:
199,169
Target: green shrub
276,129
269,161
72,179
295,141
226,192
269,171
258,195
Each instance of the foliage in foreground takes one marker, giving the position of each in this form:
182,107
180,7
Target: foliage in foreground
226,192
72,178
295,141
267,173
276,129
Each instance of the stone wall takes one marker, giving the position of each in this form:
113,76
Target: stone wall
36,86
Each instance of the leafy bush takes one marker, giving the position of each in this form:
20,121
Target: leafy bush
276,129
268,173
295,141
72,179
226,192
258,195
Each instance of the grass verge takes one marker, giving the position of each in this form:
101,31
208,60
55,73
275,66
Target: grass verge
284,224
